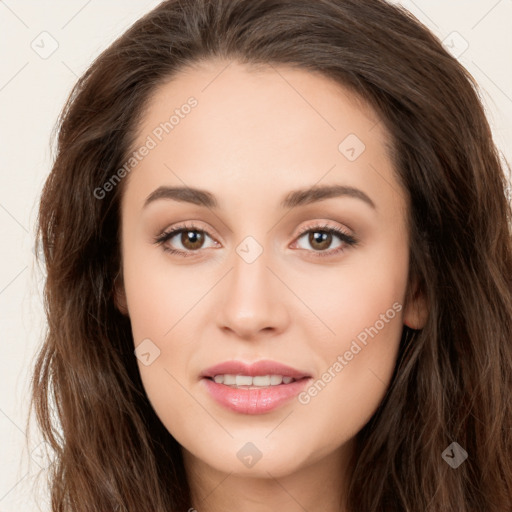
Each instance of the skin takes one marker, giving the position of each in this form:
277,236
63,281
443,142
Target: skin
255,135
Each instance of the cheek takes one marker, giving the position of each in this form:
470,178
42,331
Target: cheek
363,308
356,367
363,293
163,310
159,294
345,397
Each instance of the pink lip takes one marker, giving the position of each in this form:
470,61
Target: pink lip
265,367
253,401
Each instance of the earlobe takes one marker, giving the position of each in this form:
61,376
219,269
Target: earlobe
416,310
120,301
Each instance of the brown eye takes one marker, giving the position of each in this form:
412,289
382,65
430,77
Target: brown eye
185,240
320,240
192,240
325,240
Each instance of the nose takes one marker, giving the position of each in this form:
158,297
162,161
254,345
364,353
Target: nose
253,301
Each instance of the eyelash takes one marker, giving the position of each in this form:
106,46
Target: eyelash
349,240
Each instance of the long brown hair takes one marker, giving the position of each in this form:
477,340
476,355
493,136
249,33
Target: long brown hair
453,378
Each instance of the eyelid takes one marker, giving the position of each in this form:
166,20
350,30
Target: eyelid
321,225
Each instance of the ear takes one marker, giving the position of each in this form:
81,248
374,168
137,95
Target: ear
120,295
416,309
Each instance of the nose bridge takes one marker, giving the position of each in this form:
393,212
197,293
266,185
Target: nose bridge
250,286
251,303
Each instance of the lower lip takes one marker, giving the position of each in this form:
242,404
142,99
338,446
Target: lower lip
254,401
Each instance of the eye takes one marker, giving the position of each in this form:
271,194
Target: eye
320,238
191,240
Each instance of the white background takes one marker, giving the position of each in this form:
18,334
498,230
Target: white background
32,92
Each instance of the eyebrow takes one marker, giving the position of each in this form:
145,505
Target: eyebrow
293,199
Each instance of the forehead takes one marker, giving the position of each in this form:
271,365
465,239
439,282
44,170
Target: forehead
259,128
233,94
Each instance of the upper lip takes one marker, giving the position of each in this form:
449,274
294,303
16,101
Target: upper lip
265,367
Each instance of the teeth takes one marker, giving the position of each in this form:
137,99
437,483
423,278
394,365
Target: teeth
242,380
257,381
229,380
275,380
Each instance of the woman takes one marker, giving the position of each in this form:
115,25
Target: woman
279,263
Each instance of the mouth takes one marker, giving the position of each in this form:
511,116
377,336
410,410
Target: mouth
253,389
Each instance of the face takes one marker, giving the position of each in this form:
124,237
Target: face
263,224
